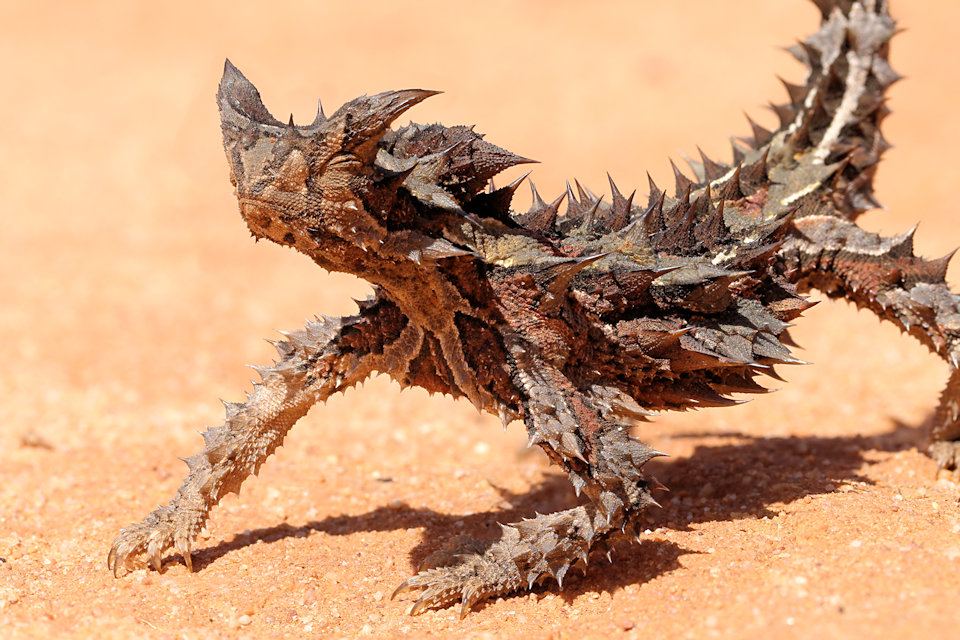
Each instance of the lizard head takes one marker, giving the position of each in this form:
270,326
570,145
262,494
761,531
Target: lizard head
346,189
298,185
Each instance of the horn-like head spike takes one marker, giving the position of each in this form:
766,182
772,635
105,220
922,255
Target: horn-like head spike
239,100
382,109
321,116
366,118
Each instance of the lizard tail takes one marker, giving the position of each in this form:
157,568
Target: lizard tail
829,139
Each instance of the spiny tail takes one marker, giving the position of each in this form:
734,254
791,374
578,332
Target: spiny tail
829,140
828,143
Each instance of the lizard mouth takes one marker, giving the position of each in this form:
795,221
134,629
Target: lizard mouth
252,204
263,220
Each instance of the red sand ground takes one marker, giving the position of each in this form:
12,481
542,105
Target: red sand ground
133,295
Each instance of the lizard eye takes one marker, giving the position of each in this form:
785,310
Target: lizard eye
344,162
294,172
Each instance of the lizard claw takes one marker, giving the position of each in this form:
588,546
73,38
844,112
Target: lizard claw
467,599
469,596
112,560
420,606
182,544
155,551
403,588
147,541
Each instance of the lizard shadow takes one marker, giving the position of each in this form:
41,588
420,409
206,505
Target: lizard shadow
717,482
744,478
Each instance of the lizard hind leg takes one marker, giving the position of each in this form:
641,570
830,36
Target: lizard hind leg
841,259
945,432
527,552
602,460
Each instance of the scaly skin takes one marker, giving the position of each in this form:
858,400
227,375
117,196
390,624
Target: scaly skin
577,324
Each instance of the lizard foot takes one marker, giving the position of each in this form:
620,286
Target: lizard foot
467,575
159,531
946,453
527,552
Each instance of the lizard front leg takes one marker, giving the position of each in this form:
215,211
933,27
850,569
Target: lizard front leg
325,357
836,256
602,460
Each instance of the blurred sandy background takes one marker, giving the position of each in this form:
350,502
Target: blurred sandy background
132,296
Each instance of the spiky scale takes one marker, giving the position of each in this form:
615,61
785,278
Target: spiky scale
655,192
711,231
652,220
618,215
761,136
683,183
556,278
588,222
677,233
712,170
795,92
541,216
785,113
587,198
936,270
576,208
754,174
696,167
496,202
731,187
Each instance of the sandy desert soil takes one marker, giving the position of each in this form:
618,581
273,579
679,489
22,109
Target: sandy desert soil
132,296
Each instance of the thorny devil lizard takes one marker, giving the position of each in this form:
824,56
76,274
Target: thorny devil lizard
576,324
